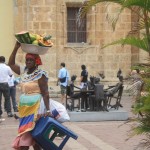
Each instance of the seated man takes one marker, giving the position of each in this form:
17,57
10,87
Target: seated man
70,92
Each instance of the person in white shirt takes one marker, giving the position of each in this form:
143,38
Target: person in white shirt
12,89
5,71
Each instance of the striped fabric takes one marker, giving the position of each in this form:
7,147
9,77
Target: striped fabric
28,108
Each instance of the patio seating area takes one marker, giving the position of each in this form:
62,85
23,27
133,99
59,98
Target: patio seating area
95,97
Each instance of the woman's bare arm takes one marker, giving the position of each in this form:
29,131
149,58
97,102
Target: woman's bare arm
81,78
43,84
12,58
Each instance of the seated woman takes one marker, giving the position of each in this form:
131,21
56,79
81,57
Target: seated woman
34,86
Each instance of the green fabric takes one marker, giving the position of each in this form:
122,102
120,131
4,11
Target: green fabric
29,100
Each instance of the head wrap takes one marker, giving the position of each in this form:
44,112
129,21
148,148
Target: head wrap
36,57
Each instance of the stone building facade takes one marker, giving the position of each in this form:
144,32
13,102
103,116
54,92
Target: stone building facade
50,17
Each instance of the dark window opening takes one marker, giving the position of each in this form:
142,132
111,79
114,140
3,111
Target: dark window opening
75,33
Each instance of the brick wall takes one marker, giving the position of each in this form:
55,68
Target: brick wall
49,16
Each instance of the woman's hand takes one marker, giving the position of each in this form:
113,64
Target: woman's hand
17,45
47,114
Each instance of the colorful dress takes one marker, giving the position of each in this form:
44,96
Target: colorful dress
28,107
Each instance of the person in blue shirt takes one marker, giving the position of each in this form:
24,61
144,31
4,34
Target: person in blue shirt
63,79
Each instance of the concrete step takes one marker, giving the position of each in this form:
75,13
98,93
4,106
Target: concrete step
91,116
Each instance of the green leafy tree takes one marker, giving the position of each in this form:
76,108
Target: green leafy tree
139,36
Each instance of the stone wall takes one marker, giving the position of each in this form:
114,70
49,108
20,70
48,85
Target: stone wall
49,16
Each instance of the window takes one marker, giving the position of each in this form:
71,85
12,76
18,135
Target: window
75,33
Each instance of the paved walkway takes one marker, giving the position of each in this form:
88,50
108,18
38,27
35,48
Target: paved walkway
109,135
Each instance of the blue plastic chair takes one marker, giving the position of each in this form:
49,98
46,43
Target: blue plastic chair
47,129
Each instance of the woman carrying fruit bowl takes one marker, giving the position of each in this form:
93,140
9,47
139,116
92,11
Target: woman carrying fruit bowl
34,86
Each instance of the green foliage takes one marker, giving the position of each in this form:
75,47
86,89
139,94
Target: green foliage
144,67
147,84
134,41
142,107
142,9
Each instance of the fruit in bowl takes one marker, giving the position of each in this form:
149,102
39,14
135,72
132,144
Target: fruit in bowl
45,41
34,43
32,38
23,37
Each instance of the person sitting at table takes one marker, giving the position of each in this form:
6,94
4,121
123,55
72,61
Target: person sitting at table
73,95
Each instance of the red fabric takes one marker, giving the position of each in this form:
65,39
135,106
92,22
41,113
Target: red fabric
23,140
25,127
36,57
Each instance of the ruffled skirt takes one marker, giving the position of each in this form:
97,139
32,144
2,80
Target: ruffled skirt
25,138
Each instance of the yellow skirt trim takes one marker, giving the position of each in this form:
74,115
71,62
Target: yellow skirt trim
25,111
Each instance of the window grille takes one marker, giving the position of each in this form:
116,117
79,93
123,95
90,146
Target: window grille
75,33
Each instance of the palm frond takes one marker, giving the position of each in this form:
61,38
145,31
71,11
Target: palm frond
124,4
137,27
113,20
88,4
145,4
134,41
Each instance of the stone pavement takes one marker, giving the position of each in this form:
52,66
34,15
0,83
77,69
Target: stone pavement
104,135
